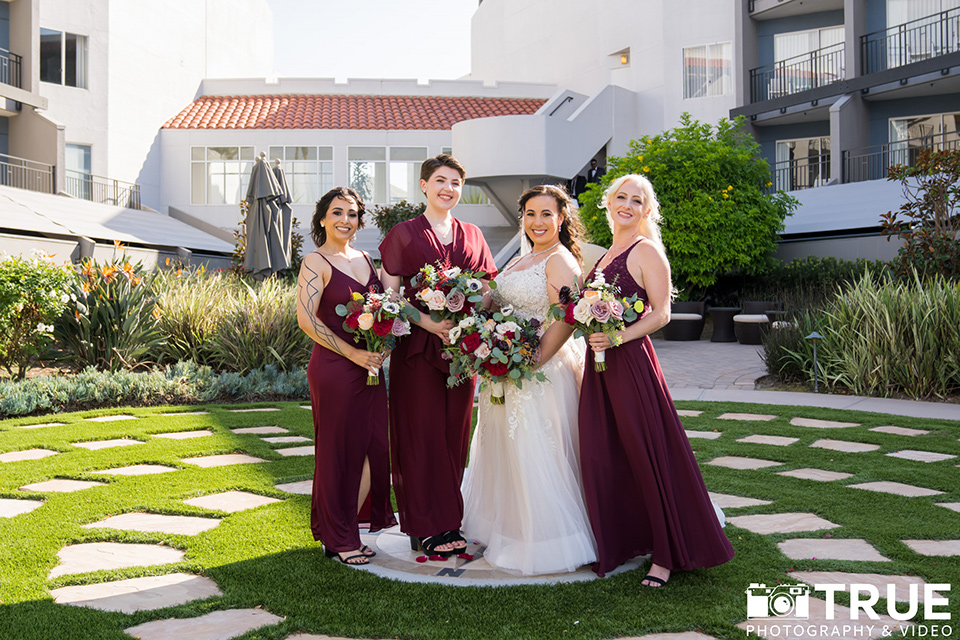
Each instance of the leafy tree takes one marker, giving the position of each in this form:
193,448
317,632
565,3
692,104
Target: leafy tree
386,217
713,188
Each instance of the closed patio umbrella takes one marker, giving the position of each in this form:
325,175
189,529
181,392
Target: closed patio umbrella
265,253
286,212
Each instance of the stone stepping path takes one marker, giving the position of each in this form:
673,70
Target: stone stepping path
222,460
218,625
285,439
921,456
781,523
953,506
97,556
820,475
156,523
295,451
111,418
686,413
844,446
934,547
896,488
778,441
61,486
11,507
253,410
303,487
900,431
96,445
782,628
186,413
184,435
307,407
41,426
736,462
260,430
28,454
746,416
139,594
830,549
726,501
231,501
878,580
135,470
708,435
822,424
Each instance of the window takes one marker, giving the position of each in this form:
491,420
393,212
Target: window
802,163
706,70
367,173
219,175
926,34
79,182
309,171
63,58
798,43
939,131
405,173
903,11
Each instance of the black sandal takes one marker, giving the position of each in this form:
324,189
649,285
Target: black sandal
429,544
454,537
657,582
364,559
367,551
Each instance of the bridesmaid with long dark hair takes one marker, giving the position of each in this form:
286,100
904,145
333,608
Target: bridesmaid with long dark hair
349,416
430,424
643,488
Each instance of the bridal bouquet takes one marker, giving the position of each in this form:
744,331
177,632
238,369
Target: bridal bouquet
598,307
379,319
447,292
496,345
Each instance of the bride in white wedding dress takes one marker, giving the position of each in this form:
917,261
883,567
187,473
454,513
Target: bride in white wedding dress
521,491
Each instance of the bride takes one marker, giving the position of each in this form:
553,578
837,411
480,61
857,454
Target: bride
522,493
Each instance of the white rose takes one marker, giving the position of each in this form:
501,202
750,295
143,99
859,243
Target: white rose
455,334
467,322
505,327
482,352
437,301
581,312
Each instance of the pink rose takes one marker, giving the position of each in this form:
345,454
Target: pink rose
601,311
482,352
437,301
400,328
455,301
616,309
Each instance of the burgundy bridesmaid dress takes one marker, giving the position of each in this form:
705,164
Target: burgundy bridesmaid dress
643,488
429,423
350,424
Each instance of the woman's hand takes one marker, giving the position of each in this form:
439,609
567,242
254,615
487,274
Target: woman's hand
440,329
367,360
600,341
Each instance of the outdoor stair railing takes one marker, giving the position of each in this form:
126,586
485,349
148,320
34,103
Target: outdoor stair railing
871,163
799,73
102,190
10,64
26,174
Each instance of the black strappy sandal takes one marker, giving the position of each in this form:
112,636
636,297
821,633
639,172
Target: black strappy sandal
429,544
454,537
347,561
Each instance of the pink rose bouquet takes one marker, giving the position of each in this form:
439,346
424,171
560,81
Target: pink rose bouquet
379,318
448,292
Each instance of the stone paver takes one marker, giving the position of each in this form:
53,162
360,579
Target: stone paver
96,556
218,625
61,486
135,470
42,425
304,487
896,488
934,547
688,413
761,417
921,456
231,501
736,462
156,523
186,413
11,507
253,410
821,424
953,506
260,430
900,431
844,446
821,475
184,435
96,445
726,501
285,439
295,451
765,523
830,549
27,454
708,435
222,460
882,582
111,418
778,441
139,594
307,407
838,627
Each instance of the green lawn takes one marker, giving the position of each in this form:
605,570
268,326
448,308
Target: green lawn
266,556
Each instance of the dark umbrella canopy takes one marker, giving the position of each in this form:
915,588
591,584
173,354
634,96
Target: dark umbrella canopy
286,212
268,240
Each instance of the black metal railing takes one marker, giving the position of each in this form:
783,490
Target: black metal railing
10,64
872,163
920,39
103,190
26,174
799,73
802,173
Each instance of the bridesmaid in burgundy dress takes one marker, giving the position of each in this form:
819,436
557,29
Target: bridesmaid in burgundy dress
430,424
644,491
349,417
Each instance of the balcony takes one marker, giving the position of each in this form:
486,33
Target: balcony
10,64
26,174
102,190
917,40
802,173
800,73
871,163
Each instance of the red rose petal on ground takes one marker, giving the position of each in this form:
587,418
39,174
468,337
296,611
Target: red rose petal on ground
421,559
437,557
466,556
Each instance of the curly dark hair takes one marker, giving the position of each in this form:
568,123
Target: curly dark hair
571,230
317,232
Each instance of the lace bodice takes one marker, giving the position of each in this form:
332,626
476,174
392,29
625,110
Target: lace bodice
525,291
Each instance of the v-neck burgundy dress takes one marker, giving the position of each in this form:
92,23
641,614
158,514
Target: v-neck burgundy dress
642,484
429,423
350,424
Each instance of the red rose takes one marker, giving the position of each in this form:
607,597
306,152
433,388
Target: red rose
383,327
470,343
496,368
568,316
352,321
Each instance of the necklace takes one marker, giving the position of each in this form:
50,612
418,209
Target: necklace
540,253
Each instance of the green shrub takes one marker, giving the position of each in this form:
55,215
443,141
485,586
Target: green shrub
810,282
33,292
786,352
385,218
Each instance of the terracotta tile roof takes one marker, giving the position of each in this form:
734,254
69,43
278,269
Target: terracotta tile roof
343,112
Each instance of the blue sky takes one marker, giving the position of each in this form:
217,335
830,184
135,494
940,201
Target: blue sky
422,39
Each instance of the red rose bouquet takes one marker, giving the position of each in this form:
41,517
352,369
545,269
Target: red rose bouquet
448,292
379,319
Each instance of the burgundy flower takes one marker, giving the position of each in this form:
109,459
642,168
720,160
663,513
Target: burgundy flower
352,321
564,295
470,343
568,316
383,327
496,368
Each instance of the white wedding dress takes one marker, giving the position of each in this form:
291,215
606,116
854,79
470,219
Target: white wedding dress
521,490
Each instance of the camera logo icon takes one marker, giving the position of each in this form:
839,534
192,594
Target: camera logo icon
782,600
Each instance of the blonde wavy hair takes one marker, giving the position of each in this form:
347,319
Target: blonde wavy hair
650,225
